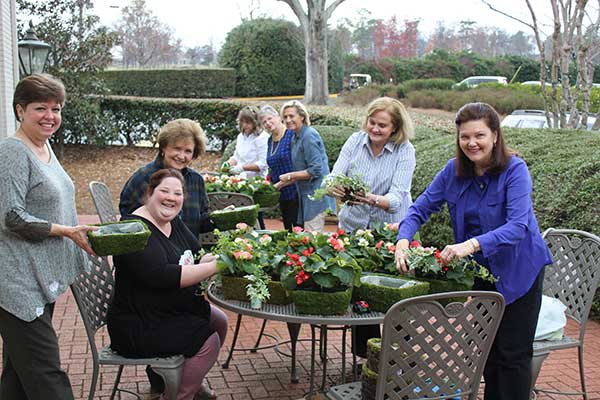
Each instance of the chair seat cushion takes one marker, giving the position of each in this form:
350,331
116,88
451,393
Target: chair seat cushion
110,357
545,346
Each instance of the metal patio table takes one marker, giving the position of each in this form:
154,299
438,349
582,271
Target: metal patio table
289,315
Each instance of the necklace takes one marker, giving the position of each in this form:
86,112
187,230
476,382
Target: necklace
274,147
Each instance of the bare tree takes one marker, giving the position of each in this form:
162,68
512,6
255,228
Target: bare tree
313,22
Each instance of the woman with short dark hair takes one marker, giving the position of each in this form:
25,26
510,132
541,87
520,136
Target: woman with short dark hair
40,243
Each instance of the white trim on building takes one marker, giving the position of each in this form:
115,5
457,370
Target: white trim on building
8,65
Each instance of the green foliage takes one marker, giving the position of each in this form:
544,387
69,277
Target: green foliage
140,119
423,84
268,56
174,83
334,138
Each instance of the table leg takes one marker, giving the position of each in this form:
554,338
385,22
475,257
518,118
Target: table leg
260,335
344,354
324,354
311,389
294,331
225,365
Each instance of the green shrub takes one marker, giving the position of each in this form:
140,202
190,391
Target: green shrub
173,83
334,138
423,84
268,57
360,96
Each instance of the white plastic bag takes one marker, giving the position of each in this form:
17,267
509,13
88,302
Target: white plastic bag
552,319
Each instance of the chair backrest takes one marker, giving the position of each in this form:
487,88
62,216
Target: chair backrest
434,351
220,200
103,202
93,292
575,274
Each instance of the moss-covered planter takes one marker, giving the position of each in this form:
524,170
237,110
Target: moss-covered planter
266,199
234,288
322,303
443,286
368,379
382,291
115,238
373,353
227,219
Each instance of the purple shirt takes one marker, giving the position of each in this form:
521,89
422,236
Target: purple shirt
508,232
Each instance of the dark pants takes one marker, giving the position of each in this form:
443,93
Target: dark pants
507,372
289,213
261,220
360,335
31,359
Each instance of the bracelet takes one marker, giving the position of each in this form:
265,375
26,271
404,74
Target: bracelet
472,242
289,177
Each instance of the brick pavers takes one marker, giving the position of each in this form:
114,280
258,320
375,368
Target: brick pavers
266,374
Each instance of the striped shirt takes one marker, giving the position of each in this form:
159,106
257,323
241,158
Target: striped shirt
279,158
388,174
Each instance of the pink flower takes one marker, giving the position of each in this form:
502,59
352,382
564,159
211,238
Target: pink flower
242,255
241,225
379,244
393,227
297,229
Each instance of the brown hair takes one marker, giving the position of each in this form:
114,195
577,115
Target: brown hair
250,114
403,126
38,88
160,176
182,128
500,153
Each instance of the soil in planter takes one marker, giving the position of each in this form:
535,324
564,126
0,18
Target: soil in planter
322,303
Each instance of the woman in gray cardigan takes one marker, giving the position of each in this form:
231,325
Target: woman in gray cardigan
40,243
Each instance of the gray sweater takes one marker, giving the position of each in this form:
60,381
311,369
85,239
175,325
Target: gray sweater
35,268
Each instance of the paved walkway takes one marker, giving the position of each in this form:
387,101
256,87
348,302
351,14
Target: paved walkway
266,374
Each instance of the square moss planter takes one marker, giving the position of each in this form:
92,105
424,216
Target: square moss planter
368,378
227,219
266,199
115,238
234,288
382,291
322,303
443,286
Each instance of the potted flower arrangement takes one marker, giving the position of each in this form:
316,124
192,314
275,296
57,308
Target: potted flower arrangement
265,193
261,190
248,264
319,272
458,274
351,185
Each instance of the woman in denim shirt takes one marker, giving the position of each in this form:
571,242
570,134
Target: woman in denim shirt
488,192
310,166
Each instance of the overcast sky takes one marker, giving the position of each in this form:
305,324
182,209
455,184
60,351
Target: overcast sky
198,22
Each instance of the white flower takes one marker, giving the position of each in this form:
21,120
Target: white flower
362,242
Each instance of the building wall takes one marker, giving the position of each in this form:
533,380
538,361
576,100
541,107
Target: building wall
8,65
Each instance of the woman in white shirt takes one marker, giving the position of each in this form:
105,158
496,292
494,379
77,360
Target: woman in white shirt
250,154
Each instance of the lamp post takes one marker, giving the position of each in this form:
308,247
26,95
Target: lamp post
33,53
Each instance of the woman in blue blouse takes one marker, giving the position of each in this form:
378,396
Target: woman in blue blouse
310,166
488,192
279,160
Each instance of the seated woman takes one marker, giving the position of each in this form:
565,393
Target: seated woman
155,311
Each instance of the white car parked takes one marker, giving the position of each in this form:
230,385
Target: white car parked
474,81
534,119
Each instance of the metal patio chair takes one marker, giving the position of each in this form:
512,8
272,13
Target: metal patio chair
93,292
103,202
573,279
433,351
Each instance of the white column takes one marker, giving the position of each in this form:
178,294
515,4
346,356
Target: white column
8,65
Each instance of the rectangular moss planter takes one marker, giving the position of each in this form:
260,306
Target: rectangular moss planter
227,219
443,286
115,238
322,303
382,291
234,288
266,199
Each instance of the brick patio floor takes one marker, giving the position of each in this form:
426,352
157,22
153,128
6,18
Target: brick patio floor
266,374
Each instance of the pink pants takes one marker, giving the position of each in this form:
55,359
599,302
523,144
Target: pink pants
196,367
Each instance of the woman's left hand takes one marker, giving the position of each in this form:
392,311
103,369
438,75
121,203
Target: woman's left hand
284,180
455,251
78,234
368,199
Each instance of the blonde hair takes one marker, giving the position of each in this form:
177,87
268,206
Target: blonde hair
182,128
249,113
403,126
301,108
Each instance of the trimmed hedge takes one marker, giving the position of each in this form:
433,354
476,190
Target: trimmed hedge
172,83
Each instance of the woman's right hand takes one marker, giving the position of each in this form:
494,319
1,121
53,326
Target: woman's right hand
336,191
401,256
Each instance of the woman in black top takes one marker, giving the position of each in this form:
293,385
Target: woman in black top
155,312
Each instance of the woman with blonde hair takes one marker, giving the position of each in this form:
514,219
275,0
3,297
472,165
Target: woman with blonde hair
382,156
310,166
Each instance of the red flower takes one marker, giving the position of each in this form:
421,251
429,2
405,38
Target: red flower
305,240
415,243
308,252
301,277
379,244
340,232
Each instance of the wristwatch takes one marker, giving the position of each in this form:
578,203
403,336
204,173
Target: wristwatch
289,177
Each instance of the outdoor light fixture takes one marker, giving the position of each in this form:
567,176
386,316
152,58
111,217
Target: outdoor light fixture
33,53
